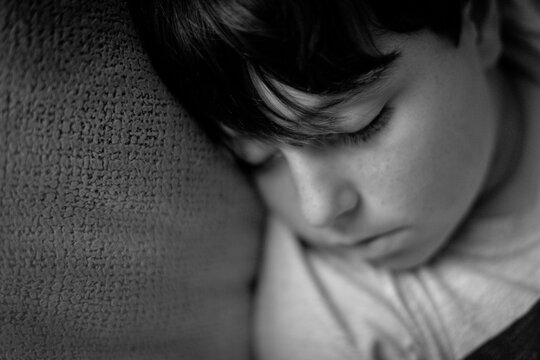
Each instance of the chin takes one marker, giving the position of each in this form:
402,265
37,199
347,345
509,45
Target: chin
409,259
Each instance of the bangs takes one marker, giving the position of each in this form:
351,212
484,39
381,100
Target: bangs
303,123
305,46
211,54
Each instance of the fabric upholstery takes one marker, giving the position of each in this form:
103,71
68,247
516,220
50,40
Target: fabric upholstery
123,233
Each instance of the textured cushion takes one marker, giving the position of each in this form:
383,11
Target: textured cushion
123,233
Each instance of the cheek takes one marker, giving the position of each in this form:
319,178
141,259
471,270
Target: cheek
279,194
441,156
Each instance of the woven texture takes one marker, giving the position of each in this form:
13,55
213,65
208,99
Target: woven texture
123,233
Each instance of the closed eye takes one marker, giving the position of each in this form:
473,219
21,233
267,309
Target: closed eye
262,164
370,130
262,158
254,156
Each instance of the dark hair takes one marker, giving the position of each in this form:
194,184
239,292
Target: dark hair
208,52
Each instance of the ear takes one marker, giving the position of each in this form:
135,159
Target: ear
484,17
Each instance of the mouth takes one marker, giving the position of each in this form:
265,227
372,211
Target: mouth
373,247
381,245
369,240
395,250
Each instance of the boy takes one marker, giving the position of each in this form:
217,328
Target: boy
397,155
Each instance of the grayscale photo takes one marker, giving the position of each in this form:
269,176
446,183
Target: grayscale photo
270,179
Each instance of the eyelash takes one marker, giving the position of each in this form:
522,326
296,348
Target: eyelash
363,135
259,166
367,132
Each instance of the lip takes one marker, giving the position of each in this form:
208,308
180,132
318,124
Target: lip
371,239
382,245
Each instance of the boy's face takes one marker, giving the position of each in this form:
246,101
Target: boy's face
393,194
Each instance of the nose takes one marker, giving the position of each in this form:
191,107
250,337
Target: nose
325,193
